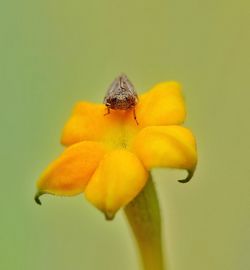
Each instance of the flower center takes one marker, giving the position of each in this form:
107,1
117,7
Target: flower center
122,131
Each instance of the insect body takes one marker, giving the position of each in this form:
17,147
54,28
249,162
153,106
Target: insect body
121,95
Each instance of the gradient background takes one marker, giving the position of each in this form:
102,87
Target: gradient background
54,53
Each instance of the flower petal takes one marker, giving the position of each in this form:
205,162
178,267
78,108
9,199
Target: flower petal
162,105
69,174
170,146
86,123
90,121
118,179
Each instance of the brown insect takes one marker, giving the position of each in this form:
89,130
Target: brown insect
121,95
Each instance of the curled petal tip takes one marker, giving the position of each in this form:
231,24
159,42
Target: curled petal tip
109,215
188,178
37,197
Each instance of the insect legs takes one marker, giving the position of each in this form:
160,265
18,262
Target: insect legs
108,111
135,117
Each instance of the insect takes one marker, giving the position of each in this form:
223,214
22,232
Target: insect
121,95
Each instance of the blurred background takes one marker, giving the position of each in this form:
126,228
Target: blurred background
54,53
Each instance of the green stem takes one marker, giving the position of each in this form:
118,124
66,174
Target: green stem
143,215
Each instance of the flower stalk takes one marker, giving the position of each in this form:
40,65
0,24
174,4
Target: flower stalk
143,215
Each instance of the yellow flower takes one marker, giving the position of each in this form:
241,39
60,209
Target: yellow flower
108,157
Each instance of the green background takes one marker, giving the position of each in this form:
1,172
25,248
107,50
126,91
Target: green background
54,53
